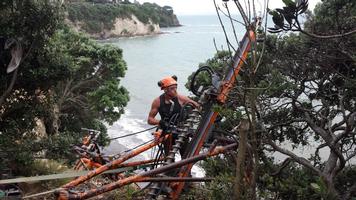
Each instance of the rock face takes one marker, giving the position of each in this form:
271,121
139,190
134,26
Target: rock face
170,21
104,20
123,27
132,27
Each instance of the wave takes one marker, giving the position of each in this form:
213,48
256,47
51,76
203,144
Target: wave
128,124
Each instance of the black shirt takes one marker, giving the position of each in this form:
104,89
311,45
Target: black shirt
164,109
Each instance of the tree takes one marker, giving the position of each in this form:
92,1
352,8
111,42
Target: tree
65,81
317,104
28,24
302,93
91,90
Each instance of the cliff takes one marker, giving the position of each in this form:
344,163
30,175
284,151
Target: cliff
122,27
119,20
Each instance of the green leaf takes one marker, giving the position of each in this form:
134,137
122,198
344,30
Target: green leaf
278,19
289,2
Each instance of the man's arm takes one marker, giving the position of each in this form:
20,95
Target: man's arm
185,99
153,112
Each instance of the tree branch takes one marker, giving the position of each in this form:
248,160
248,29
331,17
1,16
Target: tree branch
353,154
242,12
327,36
323,36
296,158
350,122
283,166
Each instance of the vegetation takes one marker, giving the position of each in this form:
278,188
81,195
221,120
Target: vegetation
64,82
99,16
55,81
303,94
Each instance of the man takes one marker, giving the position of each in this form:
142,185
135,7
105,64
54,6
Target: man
168,104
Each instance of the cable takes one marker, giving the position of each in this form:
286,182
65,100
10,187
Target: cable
173,120
131,134
192,83
137,146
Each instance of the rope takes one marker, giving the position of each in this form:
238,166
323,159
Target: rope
67,175
133,133
41,194
59,176
137,146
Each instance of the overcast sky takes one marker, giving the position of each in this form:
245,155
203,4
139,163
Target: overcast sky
205,7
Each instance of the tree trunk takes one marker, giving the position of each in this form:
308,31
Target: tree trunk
240,161
254,158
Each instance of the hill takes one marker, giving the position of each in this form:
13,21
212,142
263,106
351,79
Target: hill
103,20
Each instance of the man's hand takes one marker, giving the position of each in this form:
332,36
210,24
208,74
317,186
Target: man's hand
157,135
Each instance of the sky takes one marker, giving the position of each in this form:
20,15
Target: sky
206,7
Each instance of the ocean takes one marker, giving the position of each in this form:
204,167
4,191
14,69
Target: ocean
177,51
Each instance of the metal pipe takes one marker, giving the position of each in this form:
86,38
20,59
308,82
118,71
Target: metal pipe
114,163
64,194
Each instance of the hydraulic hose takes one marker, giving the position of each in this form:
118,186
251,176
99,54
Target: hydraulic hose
193,87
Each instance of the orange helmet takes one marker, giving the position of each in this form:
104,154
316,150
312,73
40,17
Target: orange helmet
167,81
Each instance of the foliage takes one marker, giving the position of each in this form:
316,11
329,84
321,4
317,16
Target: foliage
304,91
315,81
97,17
332,17
18,17
65,81
287,18
223,173
91,88
293,182
29,23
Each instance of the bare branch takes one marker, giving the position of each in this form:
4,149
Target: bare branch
242,12
328,139
296,158
232,24
350,123
223,27
233,19
264,42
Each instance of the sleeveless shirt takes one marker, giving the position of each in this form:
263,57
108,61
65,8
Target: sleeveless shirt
164,109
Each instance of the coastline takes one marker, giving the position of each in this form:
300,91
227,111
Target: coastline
117,36
100,39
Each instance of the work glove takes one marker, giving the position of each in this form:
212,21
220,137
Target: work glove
163,125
